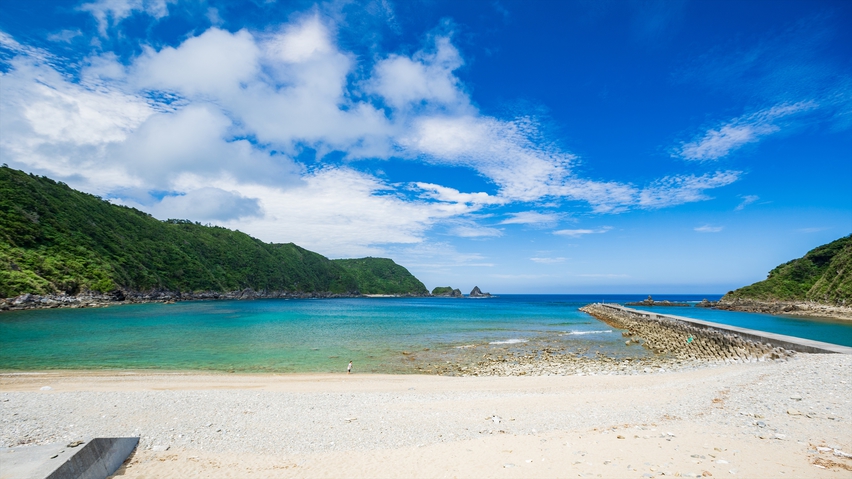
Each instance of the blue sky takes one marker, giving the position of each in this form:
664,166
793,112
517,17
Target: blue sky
525,147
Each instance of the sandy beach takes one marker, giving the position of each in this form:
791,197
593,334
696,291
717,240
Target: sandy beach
789,418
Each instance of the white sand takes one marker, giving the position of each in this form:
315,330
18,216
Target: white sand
726,421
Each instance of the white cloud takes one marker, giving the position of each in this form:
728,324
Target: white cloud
549,260
300,42
747,200
118,10
64,36
207,204
475,231
576,233
708,229
532,218
503,151
423,80
721,141
452,195
437,263
339,212
212,65
219,118
676,190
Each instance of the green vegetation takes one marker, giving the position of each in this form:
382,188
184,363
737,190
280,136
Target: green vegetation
824,275
55,239
439,290
381,276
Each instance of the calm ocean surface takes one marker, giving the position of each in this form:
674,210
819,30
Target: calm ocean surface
323,335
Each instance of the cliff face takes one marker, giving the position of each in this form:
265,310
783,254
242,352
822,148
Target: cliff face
823,275
55,240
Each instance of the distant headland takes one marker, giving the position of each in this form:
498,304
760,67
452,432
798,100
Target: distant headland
61,247
817,284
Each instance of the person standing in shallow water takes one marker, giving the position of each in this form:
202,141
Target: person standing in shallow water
349,368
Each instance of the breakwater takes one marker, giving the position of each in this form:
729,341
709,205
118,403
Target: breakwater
686,338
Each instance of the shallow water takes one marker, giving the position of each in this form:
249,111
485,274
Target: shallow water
385,335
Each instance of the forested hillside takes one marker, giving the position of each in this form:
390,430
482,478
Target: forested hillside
381,276
55,239
824,275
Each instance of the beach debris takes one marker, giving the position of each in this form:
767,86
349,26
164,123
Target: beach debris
350,419
508,465
75,443
839,453
46,388
619,437
794,412
160,448
796,397
495,419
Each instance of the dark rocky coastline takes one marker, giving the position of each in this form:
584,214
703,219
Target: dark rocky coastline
91,299
649,301
795,308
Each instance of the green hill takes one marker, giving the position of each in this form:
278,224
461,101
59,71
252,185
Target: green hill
55,239
823,275
381,276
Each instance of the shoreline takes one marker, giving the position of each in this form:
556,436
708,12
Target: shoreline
807,309
755,419
29,301
98,300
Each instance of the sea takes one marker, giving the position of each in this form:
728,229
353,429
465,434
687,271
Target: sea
379,335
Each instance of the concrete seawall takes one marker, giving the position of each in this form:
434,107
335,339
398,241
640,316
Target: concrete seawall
98,459
688,338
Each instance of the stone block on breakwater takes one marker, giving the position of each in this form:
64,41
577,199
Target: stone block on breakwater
683,340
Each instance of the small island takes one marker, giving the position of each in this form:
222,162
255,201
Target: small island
447,291
450,292
649,301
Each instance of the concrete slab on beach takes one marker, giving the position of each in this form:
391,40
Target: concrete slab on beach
95,458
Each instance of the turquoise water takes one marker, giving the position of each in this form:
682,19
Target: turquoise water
377,334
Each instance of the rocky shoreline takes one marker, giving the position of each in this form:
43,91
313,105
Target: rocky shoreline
796,308
91,299
650,302
667,345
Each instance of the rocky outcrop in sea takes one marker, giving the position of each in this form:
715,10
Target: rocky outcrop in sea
649,301
447,291
477,293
